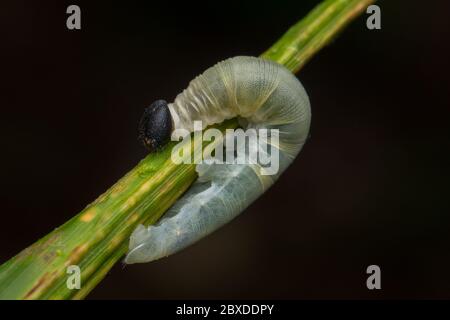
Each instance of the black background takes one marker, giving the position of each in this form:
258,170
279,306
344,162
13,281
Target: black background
370,186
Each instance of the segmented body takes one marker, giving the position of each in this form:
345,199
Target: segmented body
265,95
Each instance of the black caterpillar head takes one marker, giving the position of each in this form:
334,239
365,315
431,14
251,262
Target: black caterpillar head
155,126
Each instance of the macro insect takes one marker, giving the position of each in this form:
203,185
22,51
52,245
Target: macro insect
262,94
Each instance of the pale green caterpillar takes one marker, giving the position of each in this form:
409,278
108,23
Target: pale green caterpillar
262,93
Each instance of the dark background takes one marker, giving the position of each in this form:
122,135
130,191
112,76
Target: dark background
370,186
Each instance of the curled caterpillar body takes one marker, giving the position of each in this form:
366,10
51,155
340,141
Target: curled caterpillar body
265,95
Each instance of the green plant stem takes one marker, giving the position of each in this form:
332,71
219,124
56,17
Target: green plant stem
97,237
303,40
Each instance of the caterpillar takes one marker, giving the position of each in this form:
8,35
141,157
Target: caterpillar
262,94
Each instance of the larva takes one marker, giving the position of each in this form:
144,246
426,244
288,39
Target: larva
264,94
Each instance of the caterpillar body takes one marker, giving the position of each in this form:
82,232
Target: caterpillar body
263,94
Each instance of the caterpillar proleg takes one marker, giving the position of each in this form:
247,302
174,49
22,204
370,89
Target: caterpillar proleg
263,94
